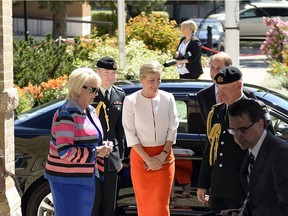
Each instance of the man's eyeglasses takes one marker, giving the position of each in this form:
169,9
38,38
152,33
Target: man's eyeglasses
91,89
242,130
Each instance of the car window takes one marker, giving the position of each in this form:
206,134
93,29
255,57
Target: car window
182,115
190,120
280,127
260,12
215,26
273,12
250,13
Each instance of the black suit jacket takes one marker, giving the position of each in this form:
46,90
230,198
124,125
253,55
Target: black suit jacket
116,132
194,66
206,99
269,178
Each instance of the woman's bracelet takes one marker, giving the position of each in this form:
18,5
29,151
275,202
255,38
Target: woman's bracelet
165,151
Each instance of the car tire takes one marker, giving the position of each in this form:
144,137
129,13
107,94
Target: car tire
41,202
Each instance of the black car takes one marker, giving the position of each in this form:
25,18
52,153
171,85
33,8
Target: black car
217,31
32,133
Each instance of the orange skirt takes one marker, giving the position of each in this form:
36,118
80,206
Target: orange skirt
152,188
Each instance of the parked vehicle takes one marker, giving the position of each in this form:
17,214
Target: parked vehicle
32,132
251,18
218,34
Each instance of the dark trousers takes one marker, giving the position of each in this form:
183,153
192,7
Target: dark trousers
105,197
217,204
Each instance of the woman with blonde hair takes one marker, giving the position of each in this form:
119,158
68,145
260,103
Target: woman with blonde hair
75,146
188,55
150,123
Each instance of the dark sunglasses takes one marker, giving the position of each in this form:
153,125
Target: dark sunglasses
91,89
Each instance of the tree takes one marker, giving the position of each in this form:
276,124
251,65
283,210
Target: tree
59,11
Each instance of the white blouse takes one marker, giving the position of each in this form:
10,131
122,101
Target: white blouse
150,121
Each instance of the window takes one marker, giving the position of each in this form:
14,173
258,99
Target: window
280,127
190,120
182,115
251,13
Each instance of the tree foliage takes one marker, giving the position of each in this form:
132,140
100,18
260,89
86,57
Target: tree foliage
38,63
155,31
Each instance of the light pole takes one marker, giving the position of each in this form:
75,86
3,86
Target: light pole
232,45
25,20
121,29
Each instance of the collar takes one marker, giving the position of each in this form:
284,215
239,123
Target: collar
103,90
73,103
256,148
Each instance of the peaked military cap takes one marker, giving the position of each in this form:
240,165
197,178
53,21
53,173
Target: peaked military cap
107,63
228,75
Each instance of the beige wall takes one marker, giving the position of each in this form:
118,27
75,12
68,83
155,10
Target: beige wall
9,198
73,10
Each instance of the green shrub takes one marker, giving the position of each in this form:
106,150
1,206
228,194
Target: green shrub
156,32
38,63
136,55
104,15
26,101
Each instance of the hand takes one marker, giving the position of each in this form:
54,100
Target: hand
104,151
201,195
161,157
152,164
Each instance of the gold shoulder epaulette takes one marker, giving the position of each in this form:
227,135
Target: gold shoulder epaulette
213,134
98,108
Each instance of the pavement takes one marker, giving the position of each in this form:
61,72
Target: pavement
254,67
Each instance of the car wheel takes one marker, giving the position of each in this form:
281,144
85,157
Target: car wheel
41,202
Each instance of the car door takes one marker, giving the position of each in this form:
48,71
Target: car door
188,151
251,23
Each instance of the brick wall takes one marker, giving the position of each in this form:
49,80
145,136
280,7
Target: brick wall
9,198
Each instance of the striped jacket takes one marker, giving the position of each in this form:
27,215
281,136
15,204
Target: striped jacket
71,157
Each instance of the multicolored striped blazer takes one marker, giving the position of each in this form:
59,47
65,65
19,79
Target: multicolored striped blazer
74,137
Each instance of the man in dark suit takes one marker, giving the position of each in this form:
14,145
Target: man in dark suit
265,178
108,105
208,96
219,183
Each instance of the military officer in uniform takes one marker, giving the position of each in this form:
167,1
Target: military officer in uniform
109,103
209,96
219,183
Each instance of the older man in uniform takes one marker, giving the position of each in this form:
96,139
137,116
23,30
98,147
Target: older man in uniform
209,96
108,105
219,182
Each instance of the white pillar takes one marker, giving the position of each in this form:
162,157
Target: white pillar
121,29
232,42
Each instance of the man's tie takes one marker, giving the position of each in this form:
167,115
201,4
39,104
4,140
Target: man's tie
251,164
250,167
106,97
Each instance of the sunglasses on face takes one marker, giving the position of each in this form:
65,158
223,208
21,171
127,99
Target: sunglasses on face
91,90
